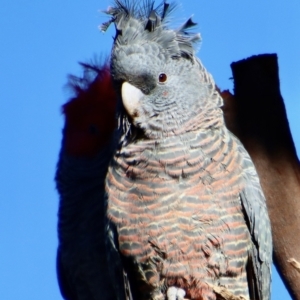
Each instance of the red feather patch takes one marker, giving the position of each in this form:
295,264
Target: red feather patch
90,116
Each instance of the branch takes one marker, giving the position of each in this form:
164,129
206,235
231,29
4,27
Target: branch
256,114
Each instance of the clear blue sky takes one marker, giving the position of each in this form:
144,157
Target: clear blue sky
40,43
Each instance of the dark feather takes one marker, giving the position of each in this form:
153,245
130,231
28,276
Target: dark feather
153,21
142,22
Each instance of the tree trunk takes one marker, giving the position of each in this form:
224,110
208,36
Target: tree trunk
256,114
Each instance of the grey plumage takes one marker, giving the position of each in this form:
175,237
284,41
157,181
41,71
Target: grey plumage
175,198
177,163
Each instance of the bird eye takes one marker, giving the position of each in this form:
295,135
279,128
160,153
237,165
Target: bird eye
162,77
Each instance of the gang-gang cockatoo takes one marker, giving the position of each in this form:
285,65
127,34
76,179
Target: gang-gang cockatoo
185,209
82,267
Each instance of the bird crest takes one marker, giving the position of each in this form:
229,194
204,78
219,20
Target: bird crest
141,22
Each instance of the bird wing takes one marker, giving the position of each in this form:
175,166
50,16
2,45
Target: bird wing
254,204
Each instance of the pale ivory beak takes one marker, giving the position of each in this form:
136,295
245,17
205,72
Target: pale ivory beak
131,97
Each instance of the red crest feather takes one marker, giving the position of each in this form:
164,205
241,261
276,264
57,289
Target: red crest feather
90,115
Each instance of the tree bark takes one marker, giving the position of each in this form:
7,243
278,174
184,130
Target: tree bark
256,114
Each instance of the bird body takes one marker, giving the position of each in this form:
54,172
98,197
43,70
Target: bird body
82,266
176,204
180,210
184,206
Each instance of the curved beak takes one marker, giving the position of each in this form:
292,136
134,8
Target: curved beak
131,97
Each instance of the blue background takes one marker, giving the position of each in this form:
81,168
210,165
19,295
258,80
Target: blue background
40,43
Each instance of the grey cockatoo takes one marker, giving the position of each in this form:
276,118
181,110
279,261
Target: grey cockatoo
186,214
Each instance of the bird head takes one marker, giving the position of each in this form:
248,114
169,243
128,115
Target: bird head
163,86
90,115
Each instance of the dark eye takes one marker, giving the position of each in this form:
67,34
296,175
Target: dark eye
162,77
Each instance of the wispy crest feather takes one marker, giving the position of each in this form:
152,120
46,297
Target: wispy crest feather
135,21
